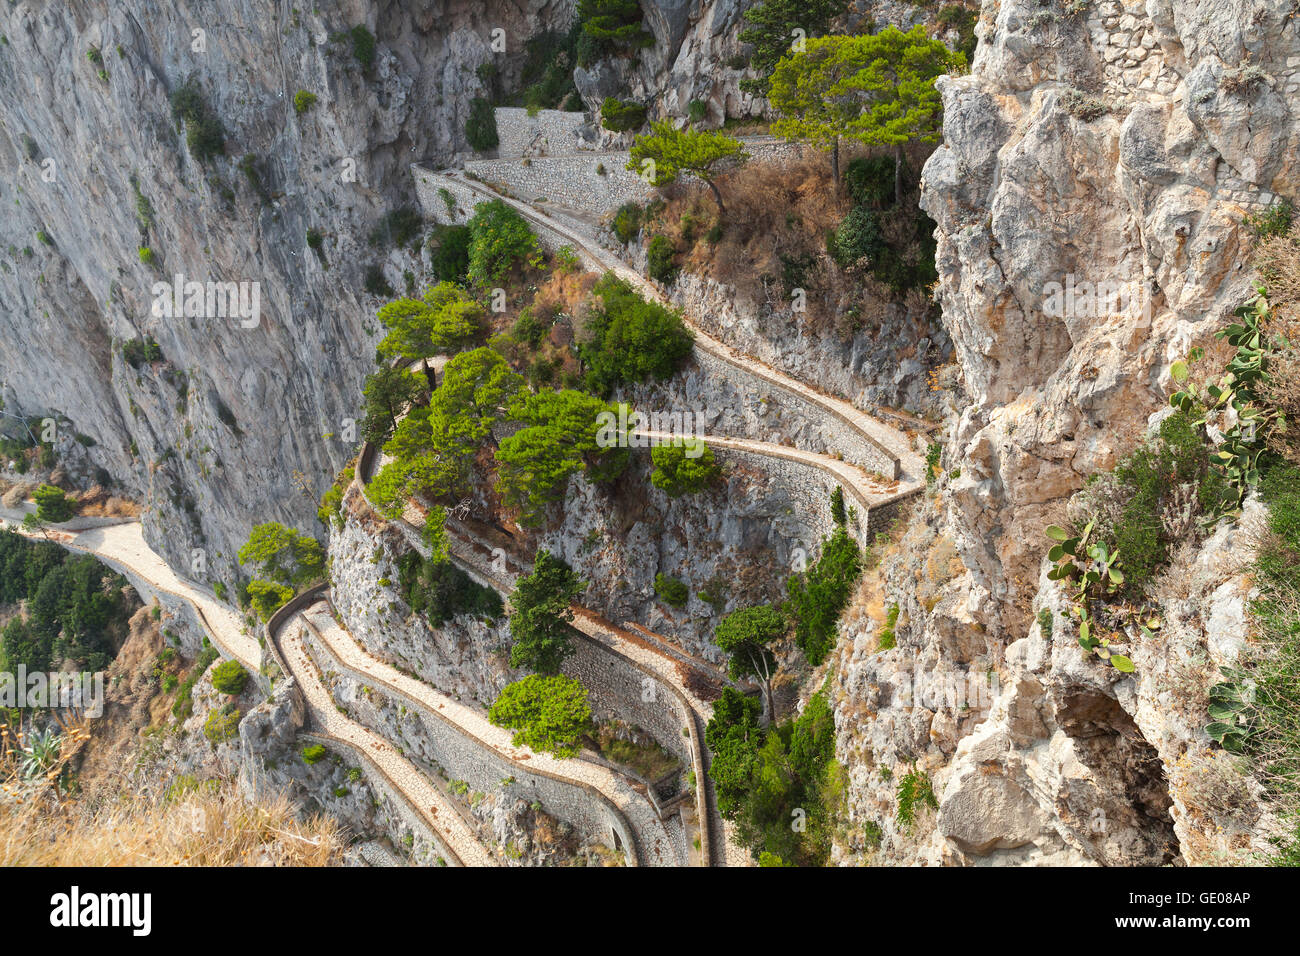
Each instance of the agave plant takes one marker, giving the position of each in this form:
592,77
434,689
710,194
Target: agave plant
40,752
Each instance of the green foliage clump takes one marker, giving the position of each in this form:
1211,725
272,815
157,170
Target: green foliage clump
204,134
540,614
838,513
229,677
386,395
147,256
443,320
74,607
222,724
53,504
671,590
659,259
481,126
619,116
915,791
303,101
611,28
440,590
627,222
398,227
313,754
363,46
818,596
628,339
548,713
1273,222
283,555
746,635
449,253
666,152
183,705
888,640
783,788
870,181
267,597
683,468
500,239
769,29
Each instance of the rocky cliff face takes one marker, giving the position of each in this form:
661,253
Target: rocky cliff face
1091,143
94,167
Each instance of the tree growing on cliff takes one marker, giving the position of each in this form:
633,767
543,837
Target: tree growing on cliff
444,319
776,26
548,713
877,90
283,555
561,435
747,635
385,396
499,239
540,614
611,27
666,152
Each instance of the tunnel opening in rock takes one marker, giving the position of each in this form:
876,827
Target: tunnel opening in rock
1134,793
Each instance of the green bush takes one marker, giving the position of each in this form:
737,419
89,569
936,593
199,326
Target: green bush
222,724
53,504
229,677
481,126
312,754
137,352
870,180
147,256
449,253
204,134
858,237
818,596
363,46
500,239
683,468
303,101
627,222
440,590
888,641
671,590
659,259
619,116
629,339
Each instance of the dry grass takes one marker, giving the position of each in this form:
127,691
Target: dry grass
96,502
41,826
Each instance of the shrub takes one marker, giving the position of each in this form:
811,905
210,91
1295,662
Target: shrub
627,222
146,256
1273,222
1083,106
627,339
440,590
671,590
363,46
376,283
888,640
449,253
683,468
303,101
229,677
548,713
838,513
499,240
137,352
313,754
204,134
858,237
870,180
619,116
697,110
659,259
53,504
818,596
481,126
222,724
914,790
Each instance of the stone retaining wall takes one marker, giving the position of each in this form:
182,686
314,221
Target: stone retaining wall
435,739
598,183
547,131
430,188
